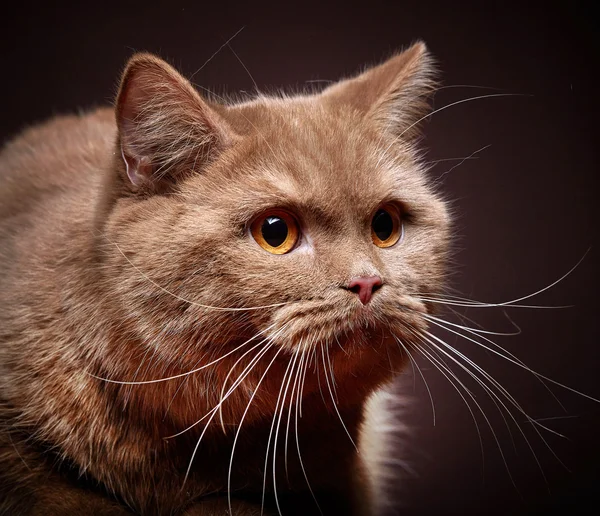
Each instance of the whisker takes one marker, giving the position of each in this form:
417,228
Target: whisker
214,410
318,375
232,368
332,375
287,371
296,354
414,363
189,372
512,303
240,379
310,358
522,366
334,403
243,65
467,86
477,331
442,160
462,101
299,403
491,393
494,382
505,393
448,374
493,397
477,304
470,156
295,389
441,322
193,303
215,53
237,433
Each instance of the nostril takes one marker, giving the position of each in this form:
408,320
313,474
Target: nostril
355,288
364,287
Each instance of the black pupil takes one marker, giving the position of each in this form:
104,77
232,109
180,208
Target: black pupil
274,231
383,225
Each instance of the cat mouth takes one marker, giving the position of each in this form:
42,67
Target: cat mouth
302,324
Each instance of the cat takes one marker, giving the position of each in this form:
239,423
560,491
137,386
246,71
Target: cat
201,301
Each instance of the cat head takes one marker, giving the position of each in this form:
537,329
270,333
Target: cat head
300,222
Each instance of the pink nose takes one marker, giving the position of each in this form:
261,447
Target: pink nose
364,286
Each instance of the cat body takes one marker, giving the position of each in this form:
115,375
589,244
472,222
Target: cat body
155,353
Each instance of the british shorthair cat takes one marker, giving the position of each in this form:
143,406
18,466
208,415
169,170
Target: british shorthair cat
200,300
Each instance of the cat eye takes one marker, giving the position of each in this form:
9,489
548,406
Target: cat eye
276,232
386,226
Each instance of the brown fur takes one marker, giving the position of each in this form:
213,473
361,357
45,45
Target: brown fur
122,236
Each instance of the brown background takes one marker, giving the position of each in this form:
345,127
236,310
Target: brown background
525,209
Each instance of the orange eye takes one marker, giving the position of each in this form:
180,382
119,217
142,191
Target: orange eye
276,232
386,227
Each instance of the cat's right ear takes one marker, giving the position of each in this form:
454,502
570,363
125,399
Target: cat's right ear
165,129
393,95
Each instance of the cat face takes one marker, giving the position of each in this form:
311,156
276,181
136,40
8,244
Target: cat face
357,233
330,174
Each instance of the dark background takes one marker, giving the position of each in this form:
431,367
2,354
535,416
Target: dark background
525,208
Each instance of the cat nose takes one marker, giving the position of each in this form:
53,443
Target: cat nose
365,287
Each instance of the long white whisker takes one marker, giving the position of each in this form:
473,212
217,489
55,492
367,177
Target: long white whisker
193,303
215,409
319,376
299,403
333,400
414,363
215,53
521,365
296,355
494,382
477,304
470,99
240,427
295,390
287,371
234,386
243,65
501,389
473,330
440,322
507,395
448,374
470,156
332,375
250,364
491,394
309,359
189,372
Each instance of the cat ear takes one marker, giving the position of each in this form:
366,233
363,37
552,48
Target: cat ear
165,128
394,95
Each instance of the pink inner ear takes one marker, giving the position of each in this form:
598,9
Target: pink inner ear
138,169
155,107
133,100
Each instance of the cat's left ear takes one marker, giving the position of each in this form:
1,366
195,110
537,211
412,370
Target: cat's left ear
166,129
394,95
